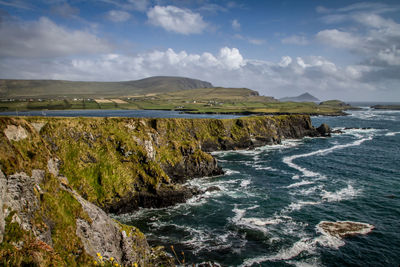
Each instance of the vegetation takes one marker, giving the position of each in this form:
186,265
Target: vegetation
69,89
202,100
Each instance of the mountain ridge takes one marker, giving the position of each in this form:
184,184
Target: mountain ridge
12,88
306,97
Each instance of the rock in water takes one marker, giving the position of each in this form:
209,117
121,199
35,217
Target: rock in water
341,229
324,130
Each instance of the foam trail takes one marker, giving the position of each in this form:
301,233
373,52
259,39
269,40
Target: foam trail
308,173
306,244
304,182
245,183
392,133
346,193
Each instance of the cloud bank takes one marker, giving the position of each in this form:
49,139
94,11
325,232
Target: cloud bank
45,39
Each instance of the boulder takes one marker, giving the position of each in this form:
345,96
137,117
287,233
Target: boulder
341,229
324,130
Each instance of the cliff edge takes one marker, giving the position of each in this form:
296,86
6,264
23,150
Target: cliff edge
59,177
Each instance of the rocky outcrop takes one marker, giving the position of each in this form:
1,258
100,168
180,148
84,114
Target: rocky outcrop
341,229
45,222
101,234
21,196
192,167
3,186
163,197
324,130
15,133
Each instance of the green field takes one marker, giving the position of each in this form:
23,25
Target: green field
207,100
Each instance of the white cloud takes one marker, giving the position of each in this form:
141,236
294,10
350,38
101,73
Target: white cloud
118,15
285,61
321,9
175,19
338,38
256,41
372,36
391,56
139,5
253,41
44,38
16,3
231,58
295,39
236,25
65,10
212,8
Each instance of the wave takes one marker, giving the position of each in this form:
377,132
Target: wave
343,194
253,223
260,150
307,173
295,206
230,172
267,168
306,245
307,191
245,183
392,133
304,182
371,114
325,196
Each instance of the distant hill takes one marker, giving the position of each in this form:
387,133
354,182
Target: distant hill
60,88
306,97
217,94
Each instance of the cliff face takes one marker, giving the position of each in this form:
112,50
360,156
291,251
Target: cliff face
59,177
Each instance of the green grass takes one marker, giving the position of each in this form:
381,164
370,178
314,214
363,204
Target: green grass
206,100
72,89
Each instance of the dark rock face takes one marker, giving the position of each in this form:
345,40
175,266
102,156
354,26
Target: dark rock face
324,130
190,168
162,198
213,189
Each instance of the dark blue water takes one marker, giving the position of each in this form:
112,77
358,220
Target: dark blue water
115,113
273,198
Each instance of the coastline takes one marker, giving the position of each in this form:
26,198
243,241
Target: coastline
151,157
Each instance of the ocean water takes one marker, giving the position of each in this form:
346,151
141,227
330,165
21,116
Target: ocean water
273,198
115,113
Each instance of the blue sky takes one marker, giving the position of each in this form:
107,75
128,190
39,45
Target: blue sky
347,50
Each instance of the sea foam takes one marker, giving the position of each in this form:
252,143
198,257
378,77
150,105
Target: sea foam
307,173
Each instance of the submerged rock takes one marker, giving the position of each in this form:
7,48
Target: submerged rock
341,229
213,188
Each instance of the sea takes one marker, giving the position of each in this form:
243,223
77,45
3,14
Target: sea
272,200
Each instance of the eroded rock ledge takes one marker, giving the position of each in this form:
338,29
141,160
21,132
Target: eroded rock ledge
57,181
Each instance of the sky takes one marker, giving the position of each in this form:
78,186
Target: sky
348,50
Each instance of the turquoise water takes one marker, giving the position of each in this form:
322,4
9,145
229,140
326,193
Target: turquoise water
272,199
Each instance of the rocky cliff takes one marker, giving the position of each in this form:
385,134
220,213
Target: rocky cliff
60,176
